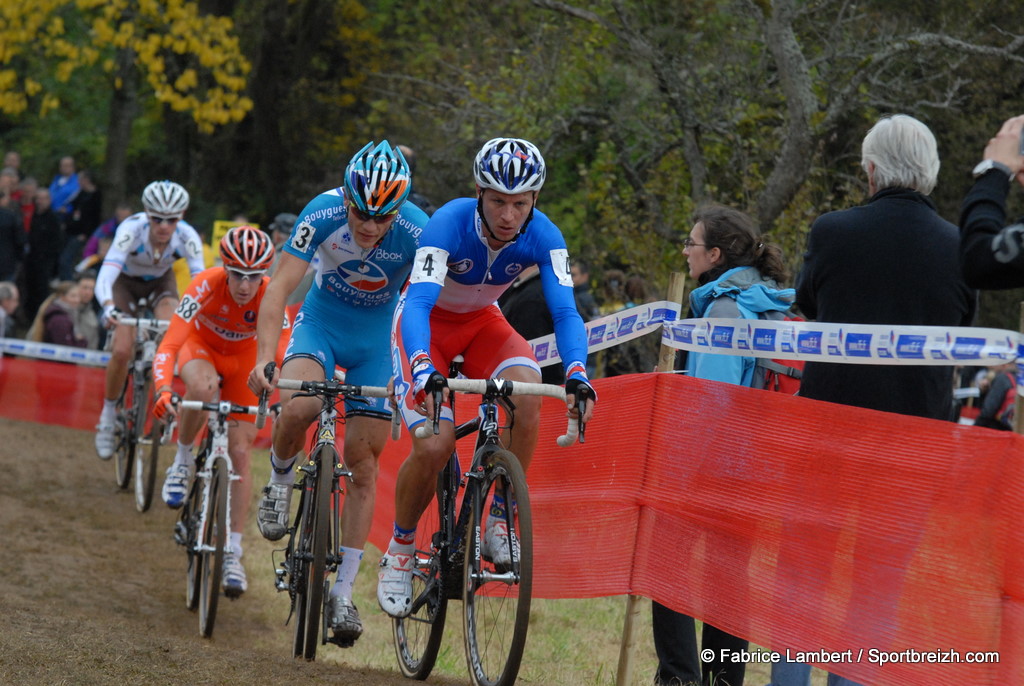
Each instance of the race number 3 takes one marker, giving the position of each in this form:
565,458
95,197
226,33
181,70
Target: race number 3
560,266
430,266
303,237
187,308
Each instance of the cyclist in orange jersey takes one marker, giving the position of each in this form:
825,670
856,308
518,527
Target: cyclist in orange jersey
212,337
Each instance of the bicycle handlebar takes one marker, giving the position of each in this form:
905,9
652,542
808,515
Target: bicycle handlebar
145,323
505,388
332,388
223,407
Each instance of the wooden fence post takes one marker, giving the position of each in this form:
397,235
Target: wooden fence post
666,362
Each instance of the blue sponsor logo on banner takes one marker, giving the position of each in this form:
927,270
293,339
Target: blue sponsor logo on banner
721,336
541,351
683,333
627,324
858,345
910,347
809,342
965,348
764,339
597,334
662,314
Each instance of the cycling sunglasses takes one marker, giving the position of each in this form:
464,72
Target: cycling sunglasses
364,217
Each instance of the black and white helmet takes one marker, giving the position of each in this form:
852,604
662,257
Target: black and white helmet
165,198
509,165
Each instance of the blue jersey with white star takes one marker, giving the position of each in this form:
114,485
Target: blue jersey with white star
457,270
348,278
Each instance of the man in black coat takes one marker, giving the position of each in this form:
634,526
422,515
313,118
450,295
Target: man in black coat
894,261
992,255
44,246
12,239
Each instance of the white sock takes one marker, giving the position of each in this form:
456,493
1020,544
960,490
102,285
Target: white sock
235,543
183,458
396,548
109,410
347,571
277,465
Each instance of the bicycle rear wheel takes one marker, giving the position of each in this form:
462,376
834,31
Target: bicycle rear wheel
418,636
297,558
214,539
187,532
496,599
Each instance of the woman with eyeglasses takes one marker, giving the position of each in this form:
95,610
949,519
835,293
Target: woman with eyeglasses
739,276
213,335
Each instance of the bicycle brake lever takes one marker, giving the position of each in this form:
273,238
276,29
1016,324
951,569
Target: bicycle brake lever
438,399
261,412
581,406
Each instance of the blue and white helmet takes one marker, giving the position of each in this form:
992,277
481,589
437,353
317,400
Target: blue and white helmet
377,179
509,165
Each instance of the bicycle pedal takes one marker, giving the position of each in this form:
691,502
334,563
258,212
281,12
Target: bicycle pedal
342,642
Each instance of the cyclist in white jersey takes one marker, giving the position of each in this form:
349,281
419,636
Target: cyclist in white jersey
138,265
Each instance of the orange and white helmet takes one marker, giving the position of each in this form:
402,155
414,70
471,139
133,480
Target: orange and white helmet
246,249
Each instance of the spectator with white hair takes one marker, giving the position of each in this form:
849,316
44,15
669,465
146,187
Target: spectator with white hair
891,261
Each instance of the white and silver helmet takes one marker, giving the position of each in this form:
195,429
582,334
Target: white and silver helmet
509,165
165,198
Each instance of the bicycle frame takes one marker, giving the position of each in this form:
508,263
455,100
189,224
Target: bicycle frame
205,521
215,447
457,565
311,553
131,421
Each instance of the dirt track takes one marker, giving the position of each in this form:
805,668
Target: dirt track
92,592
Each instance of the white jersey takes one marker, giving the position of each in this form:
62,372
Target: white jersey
132,254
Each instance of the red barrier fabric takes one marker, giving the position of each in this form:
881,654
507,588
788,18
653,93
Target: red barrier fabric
801,525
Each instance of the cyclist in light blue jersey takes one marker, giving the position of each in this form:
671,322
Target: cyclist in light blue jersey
365,235
470,253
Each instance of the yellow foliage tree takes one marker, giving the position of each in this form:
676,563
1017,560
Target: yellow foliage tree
191,61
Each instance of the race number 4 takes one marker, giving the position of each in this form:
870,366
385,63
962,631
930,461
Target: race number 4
560,266
429,266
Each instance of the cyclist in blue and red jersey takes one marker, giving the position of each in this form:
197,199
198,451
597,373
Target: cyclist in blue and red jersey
365,235
471,252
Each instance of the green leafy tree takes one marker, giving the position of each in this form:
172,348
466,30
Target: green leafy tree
167,50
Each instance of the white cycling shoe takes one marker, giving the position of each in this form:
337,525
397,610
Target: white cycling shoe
394,583
497,544
106,441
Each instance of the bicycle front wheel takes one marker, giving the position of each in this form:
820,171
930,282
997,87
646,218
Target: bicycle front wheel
418,636
124,452
146,467
498,577
214,539
317,516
